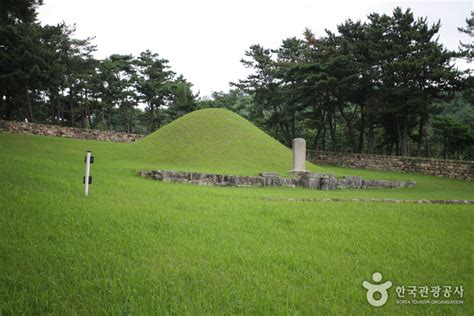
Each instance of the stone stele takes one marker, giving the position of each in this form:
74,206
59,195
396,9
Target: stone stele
299,155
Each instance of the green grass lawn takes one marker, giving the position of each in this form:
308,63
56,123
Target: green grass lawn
137,246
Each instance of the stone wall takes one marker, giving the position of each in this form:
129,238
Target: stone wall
437,167
62,131
304,179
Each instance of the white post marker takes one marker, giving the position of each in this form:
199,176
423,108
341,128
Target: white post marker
88,178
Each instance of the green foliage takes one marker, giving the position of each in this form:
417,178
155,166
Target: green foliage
235,100
154,83
48,76
373,86
456,138
380,77
452,129
183,100
467,49
18,11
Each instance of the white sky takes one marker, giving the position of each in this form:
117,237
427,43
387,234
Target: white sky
205,40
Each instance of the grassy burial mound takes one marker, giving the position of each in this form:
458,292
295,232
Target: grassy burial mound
214,140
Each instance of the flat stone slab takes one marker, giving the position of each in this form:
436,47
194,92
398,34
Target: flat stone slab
269,174
455,202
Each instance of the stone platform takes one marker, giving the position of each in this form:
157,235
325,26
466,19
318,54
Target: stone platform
267,179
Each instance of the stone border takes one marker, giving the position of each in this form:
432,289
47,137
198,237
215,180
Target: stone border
397,201
14,127
455,169
266,179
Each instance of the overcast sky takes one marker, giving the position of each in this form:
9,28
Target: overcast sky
205,40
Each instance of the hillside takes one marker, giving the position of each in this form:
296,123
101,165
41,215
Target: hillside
214,140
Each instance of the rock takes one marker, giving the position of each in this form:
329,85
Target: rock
268,174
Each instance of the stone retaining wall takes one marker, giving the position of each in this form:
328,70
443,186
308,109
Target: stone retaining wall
437,167
305,180
62,131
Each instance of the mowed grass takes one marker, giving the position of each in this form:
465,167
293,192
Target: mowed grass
137,246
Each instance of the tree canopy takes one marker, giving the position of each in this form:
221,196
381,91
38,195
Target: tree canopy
385,85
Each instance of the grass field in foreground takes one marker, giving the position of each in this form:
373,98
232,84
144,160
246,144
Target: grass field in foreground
137,246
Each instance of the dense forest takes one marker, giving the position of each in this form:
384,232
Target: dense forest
385,85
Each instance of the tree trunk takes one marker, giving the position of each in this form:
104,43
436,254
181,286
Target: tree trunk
21,112
71,108
151,125
332,130
130,126
445,148
402,132
29,112
83,113
350,128
9,108
293,125
399,133
389,149
109,119
370,136
362,128
286,134
125,118
406,143
319,129
88,112
157,119
102,115
60,108
428,149
323,140
53,110
421,133
316,138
